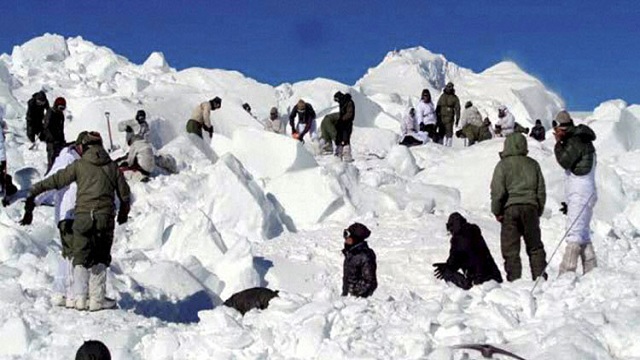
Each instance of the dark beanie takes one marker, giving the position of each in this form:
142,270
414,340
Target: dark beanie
141,114
358,232
93,350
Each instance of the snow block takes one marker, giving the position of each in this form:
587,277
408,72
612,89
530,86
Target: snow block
170,278
156,62
632,212
16,337
234,201
189,150
14,243
308,196
41,49
372,141
269,155
232,117
402,161
236,268
149,232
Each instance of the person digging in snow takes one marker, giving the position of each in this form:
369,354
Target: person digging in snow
201,117
306,121
576,154
359,268
448,112
64,200
538,131
99,181
468,253
274,123
249,299
53,130
93,350
471,124
329,133
426,115
140,163
518,196
344,126
37,107
136,127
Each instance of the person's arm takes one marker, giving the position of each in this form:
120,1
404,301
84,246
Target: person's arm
498,191
457,255
566,154
349,112
124,195
541,192
56,181
457,110
292,117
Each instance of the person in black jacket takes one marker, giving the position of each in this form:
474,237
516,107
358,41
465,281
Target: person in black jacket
254,298
37,106
306,121
344,126
53,130
359,269
468,253
538,131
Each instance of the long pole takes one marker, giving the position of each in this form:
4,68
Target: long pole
107,115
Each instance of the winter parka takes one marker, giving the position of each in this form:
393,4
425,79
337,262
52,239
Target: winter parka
576,152
53,127
347,108
35,114
359,270
448,109
538,132
470,116
426,113
307,118
141,152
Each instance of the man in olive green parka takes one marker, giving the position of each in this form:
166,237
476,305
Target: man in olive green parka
518,196
448,112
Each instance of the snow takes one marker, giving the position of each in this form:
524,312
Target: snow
251,208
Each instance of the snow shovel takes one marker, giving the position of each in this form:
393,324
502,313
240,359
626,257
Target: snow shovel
111,147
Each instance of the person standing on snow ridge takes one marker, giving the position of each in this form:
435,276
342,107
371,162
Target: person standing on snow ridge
53,130
306,121
426,115
469,253
576,154
506,122
37,106
359,268
99,181
136,127
201,117
538,131
64,201
518,196
344,126
448,112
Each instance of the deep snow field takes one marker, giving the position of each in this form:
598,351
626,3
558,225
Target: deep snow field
260,209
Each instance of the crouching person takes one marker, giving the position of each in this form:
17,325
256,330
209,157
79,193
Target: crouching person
249,299
469,253
359,269
99,181
141,163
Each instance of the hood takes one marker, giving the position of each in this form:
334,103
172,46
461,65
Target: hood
455,223
97,155
583,132
514,145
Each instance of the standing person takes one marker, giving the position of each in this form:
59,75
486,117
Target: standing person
306,121
37,106
426,115
344,127
506,121
64,201
469,253
274,123
53,130
359,268
99,181
576,154
518,196
538,131
136,127
201,117
448,112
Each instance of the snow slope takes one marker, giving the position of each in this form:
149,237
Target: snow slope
257,209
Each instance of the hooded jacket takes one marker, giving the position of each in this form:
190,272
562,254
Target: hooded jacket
409,124
517,178
306,118
53,127
359,270
470,116
63,199
98,178
576,152
141,152
538,132
507,123
448,108
35,112
347,108
426,113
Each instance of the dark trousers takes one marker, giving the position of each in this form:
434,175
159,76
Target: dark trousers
522,221
66,238
194,127
53,150
92,239
344,130
33,130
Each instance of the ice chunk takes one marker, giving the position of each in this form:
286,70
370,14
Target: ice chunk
16,337
402,161
37,50
157,62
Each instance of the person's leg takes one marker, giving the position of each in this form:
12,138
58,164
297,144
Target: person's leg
510,244
346,142
532,240
101,255
194,127
82,230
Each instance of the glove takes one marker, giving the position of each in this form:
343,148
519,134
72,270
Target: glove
564,208
27,218
29,205
128,129
440,271
122,218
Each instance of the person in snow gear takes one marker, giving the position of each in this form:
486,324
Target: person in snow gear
93,350
99,181
53,130
470,124
249,299
329,133
274,123
518,196
6,182
448,113
469,253
201,117
506,123
306,121
136,127
411,134
140,159
426,115
538,131
64,200
576,154
344,126
359,268
37,107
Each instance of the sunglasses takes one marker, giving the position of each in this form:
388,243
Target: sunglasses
61,107
346,233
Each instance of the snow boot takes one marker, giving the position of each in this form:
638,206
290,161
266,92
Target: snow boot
58,300
346,154
325,147
570,258
448,141
80,286
588,257
338,151
98,289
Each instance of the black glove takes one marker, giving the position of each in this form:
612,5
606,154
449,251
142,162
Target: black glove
440,271
122,218
564,208
29,205
128,129
27,218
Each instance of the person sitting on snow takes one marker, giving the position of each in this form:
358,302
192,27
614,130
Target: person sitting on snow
306,121
411,134
538,131
469,254
359,268
136,127
249,299
201,117
274,123
506,122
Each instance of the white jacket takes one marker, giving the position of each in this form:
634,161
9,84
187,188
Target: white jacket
139,129
470,116
426,113
274,126
409,124
581,196
64,199
3,127
507,123
142,151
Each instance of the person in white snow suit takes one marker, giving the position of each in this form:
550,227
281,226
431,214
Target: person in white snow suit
411,134
136,127
64,201
426,115
201,117
576,154
274,122
306,121
506,122
141,163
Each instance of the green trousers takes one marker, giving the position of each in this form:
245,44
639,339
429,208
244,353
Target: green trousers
328,129
92,239
522,221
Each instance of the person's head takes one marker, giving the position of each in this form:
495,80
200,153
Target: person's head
338,96
468,104
426,95
563,120
247,107
455,223
486,122
40,98
93,350
412,112
86,139
141,116
273,113
301,106
502,111
538,122
448,89
216,103
355,233
60,104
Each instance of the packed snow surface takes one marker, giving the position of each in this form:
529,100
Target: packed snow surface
252,208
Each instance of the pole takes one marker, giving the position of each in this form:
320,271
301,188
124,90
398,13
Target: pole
107,115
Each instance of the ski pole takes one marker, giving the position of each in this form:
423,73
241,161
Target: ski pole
562,240
107,115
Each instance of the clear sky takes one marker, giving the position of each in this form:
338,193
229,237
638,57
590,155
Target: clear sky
587,51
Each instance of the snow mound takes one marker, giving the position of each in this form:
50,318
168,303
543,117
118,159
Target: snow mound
402,161
189,151
156,62
617,127
41,49
14,243
20,335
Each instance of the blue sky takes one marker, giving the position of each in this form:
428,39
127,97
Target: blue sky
587,51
